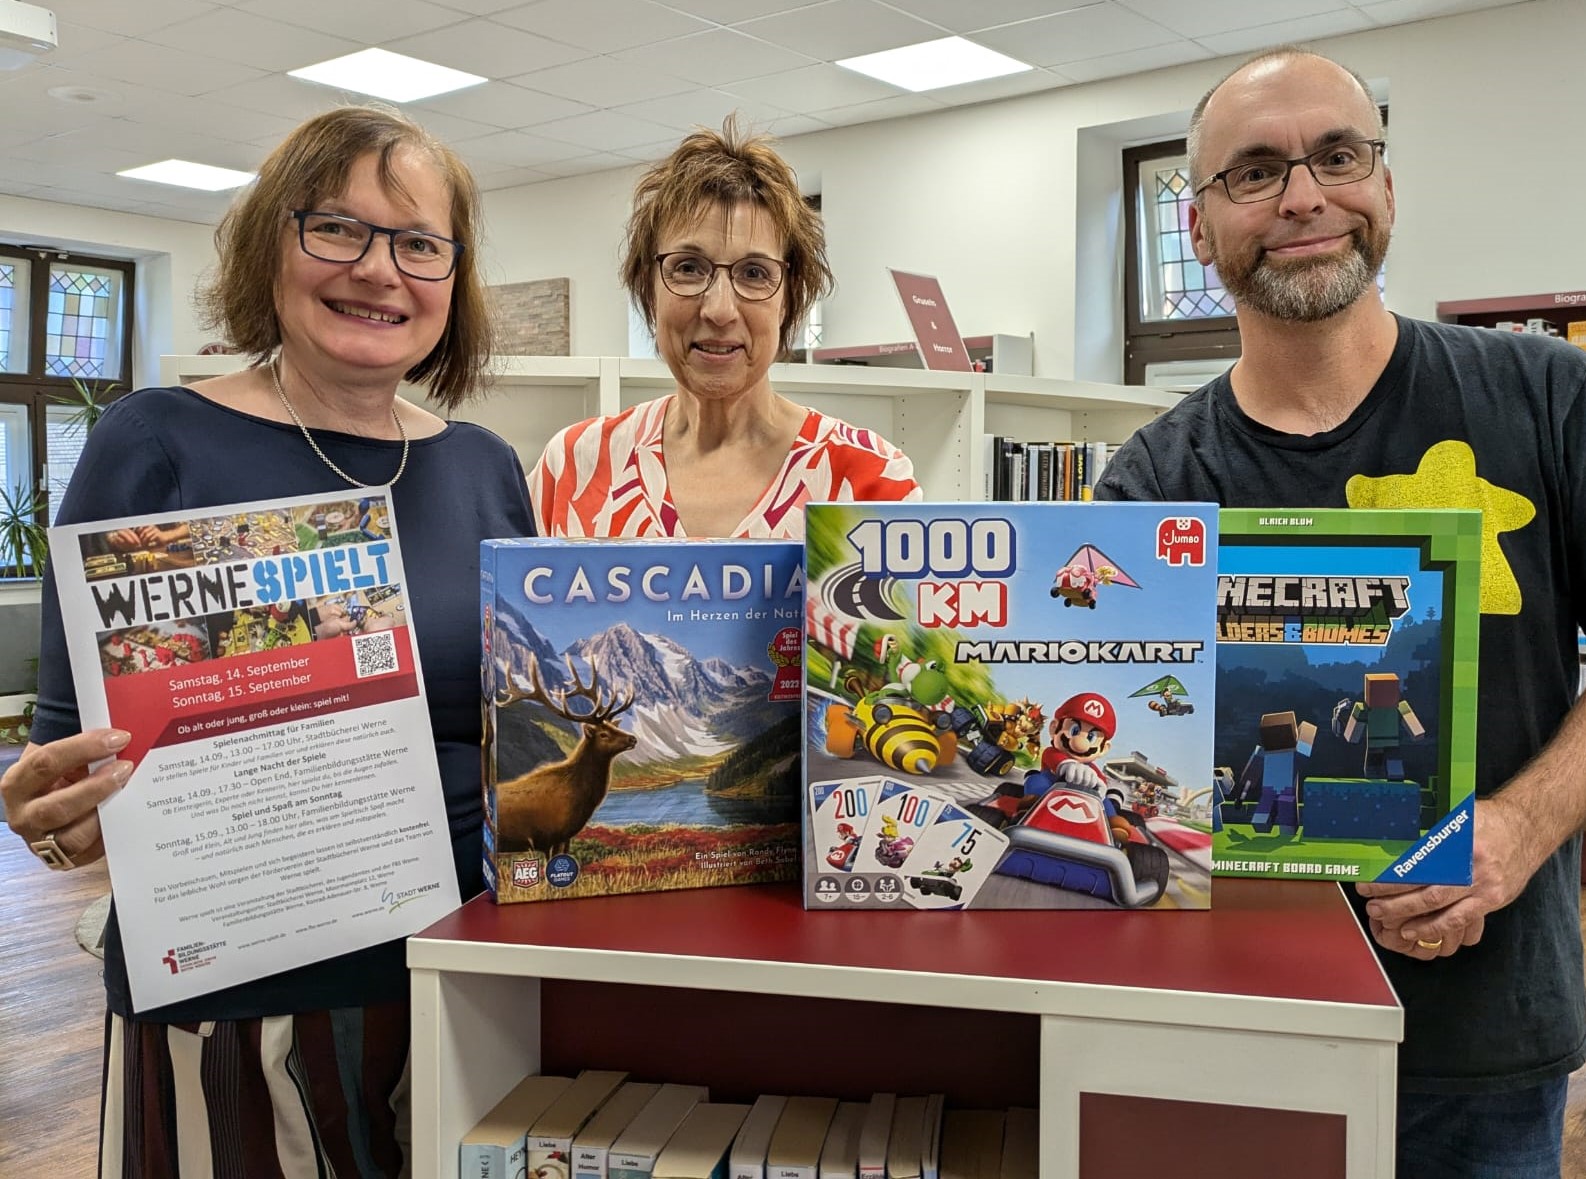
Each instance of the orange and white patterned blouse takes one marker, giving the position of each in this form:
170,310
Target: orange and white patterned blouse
607,477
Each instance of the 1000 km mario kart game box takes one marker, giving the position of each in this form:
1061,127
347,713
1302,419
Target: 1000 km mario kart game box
1009,706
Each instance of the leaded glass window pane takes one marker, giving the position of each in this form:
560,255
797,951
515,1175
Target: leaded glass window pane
13,315
83,325
1173,284
63,447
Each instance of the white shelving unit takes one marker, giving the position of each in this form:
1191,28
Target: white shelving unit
939,419
1225,1007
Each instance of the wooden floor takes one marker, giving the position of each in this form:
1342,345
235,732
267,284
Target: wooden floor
52,1018
52,1023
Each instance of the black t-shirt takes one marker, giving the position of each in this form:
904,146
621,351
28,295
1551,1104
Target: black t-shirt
1460,418
164,451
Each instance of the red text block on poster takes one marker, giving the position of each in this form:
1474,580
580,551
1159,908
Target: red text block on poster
941,347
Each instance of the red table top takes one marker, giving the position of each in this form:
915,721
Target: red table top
1263,938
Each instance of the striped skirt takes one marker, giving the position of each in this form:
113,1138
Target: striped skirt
316,1095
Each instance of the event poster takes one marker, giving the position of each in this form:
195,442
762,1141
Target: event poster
286,804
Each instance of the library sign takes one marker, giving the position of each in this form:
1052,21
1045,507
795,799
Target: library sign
941,347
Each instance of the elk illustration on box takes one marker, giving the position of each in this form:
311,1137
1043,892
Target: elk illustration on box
642,726
543,809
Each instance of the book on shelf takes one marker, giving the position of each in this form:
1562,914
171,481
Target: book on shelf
873,1135
700,1146
840,1155
906,1144
1021,1145
641,727
551,1137
497,1147
1346,694
972,1144
592,1145
795,1149
994,724
634,1153
930,1157
1024,471
749,1148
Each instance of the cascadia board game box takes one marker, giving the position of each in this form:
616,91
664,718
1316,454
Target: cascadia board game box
1009,705
1346,694
641,714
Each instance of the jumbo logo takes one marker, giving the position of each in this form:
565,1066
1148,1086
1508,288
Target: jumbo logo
1181,541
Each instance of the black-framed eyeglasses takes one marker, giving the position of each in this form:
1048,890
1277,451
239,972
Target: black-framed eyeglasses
334,237
688,274
1345,162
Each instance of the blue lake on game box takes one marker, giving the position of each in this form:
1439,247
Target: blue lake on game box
684,803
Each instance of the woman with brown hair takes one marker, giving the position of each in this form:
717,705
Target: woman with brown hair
350,265
724,259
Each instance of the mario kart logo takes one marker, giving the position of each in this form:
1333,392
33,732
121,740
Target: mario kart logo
1078,651
1262,608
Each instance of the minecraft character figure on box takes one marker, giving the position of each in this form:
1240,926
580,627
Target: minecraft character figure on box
1377,718
1274,769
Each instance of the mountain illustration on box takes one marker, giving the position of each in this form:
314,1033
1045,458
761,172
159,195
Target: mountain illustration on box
700,724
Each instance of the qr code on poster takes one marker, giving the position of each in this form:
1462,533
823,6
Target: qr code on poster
374,654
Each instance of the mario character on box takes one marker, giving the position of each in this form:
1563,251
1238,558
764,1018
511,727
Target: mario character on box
974,742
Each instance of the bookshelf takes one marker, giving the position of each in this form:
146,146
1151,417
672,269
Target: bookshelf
1560,308
939,419
1095,1017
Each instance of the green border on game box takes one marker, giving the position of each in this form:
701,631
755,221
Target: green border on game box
1450,541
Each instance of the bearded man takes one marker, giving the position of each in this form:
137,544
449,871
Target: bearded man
1336,402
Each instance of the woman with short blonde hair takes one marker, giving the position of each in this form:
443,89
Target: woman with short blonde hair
724,258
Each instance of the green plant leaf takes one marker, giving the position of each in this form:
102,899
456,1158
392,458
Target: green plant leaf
88,402
24,541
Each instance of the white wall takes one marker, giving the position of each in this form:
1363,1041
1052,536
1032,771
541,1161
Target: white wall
170,256
567,229
1003,202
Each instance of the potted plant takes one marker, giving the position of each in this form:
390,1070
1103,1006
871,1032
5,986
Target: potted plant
24,541
88,402
15,726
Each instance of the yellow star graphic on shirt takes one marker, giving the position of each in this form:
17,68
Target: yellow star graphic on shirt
1446,478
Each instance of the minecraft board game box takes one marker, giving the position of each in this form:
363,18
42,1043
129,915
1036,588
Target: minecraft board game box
1007,705
1346,694
641,714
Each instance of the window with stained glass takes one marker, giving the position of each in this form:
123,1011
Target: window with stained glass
83,326
1175,285
8,296
65,320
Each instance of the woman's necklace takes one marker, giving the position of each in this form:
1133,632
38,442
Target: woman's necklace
275,378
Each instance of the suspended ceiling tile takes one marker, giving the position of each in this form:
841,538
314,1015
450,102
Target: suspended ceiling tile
716,58
602,26
1074,36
